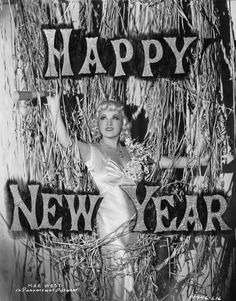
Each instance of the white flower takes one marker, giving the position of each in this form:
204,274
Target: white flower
134,170
140,160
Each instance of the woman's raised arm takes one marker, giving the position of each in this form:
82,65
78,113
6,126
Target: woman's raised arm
62,134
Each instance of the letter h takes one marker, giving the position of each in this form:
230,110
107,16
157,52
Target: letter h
51,70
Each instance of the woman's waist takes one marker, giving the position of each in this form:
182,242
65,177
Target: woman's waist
111,188
112,182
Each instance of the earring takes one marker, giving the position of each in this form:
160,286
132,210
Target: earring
98,134
123,133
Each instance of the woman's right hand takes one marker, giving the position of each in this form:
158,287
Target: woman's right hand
54,104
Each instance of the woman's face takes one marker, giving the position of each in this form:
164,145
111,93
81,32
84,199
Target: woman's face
110,123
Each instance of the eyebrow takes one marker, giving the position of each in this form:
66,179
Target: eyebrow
115,114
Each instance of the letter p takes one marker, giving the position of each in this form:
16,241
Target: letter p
119,60
147,60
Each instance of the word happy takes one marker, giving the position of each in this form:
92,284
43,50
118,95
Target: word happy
70,54
70,211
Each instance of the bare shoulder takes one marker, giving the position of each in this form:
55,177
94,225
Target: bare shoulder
84,150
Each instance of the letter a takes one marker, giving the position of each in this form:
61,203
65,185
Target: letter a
191,205
92,47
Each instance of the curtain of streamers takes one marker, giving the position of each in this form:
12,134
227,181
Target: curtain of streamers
172,117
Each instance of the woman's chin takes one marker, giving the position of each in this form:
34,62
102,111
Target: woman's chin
110,135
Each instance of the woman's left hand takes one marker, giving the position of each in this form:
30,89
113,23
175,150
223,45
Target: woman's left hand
204,161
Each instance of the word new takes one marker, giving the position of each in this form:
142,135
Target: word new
50,218
70,54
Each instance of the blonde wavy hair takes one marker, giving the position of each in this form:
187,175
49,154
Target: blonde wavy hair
110,105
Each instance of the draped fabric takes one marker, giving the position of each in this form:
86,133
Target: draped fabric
114,218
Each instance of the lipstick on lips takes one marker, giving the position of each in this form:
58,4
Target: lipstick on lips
109,128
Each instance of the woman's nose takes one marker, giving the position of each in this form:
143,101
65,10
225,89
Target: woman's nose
109,121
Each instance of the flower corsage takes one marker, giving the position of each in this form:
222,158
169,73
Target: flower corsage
140,162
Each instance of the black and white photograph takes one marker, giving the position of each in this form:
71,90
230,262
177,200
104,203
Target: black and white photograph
117,150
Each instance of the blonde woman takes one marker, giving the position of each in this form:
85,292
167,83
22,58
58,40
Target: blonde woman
107,161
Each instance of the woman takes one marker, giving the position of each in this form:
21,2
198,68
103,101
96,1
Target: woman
107,161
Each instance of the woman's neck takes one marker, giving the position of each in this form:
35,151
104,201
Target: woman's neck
111,142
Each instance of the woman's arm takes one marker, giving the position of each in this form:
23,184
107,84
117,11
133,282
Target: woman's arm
61,131
182,162
57,121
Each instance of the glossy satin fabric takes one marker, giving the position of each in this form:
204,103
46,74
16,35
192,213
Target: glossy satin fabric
115,211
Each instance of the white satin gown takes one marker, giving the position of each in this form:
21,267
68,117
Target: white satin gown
115,212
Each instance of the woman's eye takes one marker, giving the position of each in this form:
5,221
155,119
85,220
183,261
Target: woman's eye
116,117
102,117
